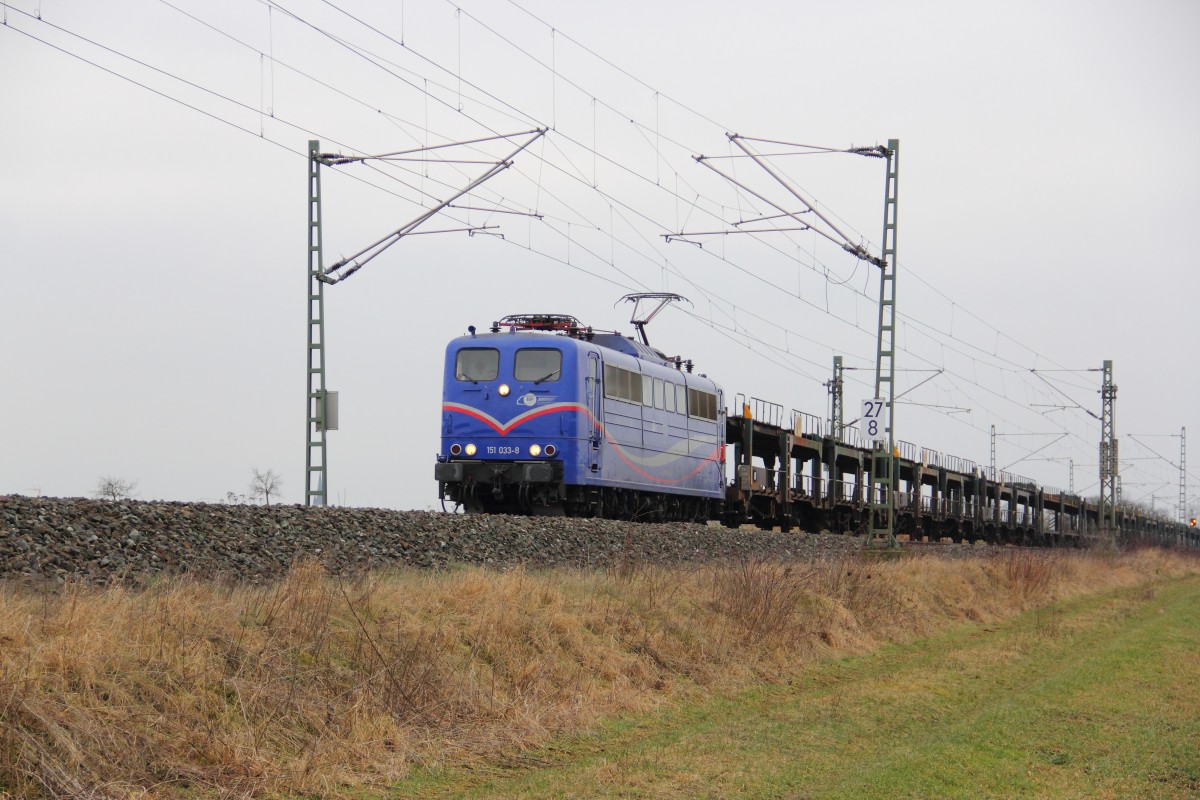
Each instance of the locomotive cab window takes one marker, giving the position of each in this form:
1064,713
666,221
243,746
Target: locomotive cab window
477,364
538,364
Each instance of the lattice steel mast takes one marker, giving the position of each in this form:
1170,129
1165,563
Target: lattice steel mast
992,460
882,488
316,490
883,462
1109,463
1183,517
321,408
837,410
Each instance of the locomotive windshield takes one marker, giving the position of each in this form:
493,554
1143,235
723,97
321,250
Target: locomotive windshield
538,364
477,364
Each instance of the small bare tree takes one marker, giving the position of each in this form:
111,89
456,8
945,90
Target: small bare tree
265,484
110,487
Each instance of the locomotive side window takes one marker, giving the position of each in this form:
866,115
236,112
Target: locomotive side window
538,364
621,384
658,393
616,382
703,404
669,399
647,390
477,364
635,386
681,398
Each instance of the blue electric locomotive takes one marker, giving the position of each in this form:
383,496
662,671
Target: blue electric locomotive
543,415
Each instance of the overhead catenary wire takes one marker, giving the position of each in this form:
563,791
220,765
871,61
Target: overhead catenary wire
427,59
167,96
742,331
330,4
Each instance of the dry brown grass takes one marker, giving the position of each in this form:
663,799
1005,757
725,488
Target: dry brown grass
315,684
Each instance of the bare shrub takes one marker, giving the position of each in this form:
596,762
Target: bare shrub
858,582
763,598
1029,574
649,584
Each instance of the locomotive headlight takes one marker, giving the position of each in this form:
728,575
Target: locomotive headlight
470,449
535,450
455,449
551,450
503,390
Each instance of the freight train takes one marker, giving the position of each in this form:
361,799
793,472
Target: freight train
543,415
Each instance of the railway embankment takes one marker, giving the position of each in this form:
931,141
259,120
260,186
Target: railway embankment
96,541
387,680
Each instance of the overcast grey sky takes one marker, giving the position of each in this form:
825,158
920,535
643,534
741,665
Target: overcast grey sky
153,236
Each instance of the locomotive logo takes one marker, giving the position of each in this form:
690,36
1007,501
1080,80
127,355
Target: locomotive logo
530,399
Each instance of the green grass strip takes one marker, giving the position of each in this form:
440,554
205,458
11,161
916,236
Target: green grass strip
1095,698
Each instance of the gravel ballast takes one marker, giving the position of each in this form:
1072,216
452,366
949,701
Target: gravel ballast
98,540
